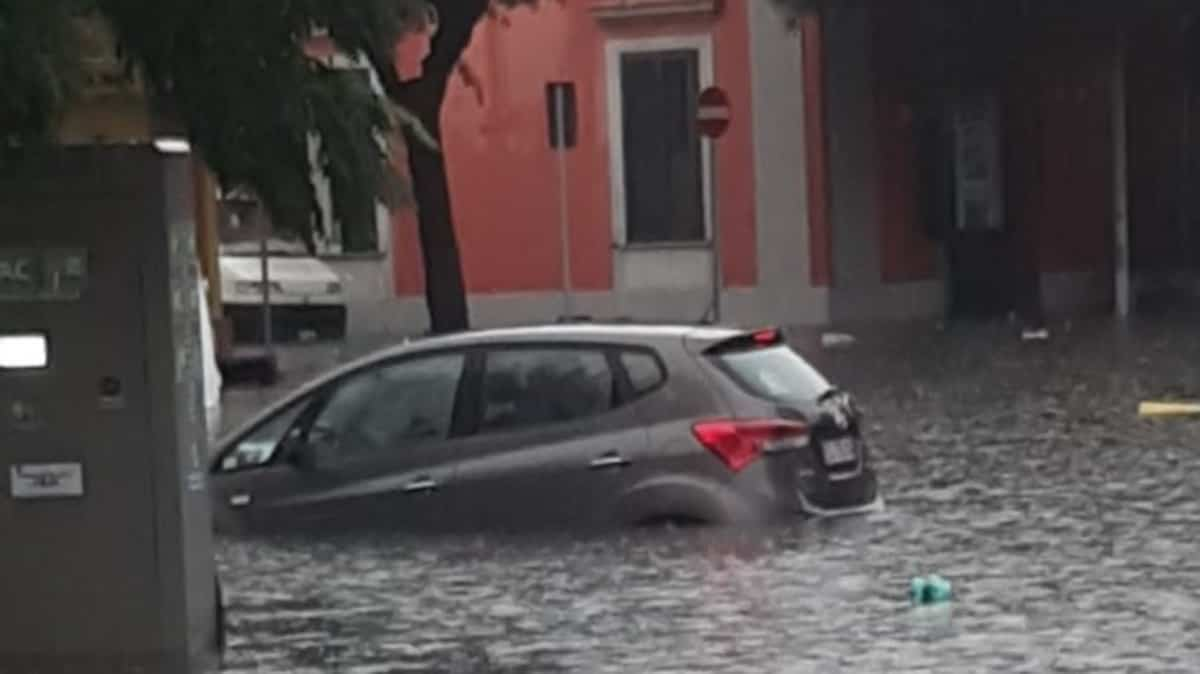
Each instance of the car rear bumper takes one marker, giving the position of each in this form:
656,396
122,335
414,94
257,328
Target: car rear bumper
820,496
288,322
813,510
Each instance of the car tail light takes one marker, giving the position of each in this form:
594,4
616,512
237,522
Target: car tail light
748,341
739,443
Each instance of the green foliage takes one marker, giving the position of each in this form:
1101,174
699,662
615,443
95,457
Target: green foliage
234,72
236,75
38,66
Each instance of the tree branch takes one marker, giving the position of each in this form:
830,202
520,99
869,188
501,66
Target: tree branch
456,23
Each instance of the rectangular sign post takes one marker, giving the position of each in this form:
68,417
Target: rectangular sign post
562,113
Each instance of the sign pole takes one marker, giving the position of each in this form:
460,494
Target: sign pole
1120,161
264,253
564,208
717,276
713,116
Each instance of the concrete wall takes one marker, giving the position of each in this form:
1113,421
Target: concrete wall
785,290
859,292
370,300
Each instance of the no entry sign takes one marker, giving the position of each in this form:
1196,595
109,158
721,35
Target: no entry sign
713,112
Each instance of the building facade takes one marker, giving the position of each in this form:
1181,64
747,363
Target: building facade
988,158
639,194
886,161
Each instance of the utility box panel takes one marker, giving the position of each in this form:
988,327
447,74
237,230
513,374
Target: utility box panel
106,561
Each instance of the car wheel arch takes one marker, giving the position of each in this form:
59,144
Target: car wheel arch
678,500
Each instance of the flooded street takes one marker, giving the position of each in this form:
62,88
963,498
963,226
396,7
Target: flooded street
1020,472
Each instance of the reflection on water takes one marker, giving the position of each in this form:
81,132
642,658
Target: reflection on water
1067,527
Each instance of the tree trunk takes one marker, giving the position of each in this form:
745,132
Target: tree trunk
445,291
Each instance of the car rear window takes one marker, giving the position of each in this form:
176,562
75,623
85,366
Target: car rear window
775,373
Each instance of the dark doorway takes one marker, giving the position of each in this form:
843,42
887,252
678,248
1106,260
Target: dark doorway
962,166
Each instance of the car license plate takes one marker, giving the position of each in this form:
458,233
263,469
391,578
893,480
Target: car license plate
839,452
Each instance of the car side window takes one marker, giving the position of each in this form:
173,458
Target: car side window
387,409
644,371
259,446
531,387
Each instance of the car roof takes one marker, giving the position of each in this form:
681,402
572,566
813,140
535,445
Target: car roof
621,333
565,333
631,334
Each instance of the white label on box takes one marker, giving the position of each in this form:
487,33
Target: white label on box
47,480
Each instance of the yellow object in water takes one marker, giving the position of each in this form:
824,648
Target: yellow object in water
1168,409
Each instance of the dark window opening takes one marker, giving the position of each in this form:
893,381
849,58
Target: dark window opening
664,194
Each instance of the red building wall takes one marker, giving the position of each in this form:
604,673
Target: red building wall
1065,92
816,145
503,175
907,253
1075,101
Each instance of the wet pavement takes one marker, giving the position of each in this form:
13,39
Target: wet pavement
1018,471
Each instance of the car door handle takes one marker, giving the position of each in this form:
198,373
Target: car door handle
240,500
608,461
421,486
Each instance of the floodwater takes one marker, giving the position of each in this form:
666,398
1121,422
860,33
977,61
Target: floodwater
1019,472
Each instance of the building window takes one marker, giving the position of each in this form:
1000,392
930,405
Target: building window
362,233
660,162
663,185
627,10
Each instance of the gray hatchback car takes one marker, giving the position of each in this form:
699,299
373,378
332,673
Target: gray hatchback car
566,426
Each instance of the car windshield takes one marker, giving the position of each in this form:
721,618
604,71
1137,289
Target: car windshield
258,447
777,373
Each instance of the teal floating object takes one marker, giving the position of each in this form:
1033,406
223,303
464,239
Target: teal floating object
926,590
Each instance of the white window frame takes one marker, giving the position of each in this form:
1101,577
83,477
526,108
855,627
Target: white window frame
331,246
702,44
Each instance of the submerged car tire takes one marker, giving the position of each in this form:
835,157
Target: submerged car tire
676,521
684,498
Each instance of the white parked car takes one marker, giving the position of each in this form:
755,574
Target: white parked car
306,295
